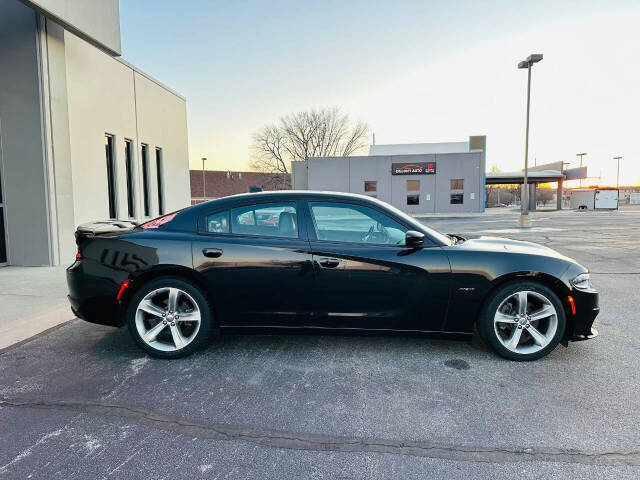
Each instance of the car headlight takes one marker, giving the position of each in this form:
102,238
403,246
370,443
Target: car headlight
582,282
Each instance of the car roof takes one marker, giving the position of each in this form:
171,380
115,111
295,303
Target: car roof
259,196
295,193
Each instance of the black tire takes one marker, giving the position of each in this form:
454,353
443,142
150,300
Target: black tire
488,333
206,316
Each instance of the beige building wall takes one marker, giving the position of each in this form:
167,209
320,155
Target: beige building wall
108,96
162,122
59,96
97,21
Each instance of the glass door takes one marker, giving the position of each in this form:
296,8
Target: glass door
3,241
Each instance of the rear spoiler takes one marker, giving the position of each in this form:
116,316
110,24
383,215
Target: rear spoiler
91,229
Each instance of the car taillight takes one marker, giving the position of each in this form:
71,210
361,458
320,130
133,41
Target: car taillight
79,255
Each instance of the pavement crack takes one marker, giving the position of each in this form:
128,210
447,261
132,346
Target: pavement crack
328,443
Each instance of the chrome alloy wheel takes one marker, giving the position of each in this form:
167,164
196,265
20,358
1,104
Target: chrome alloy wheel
525,322
168,319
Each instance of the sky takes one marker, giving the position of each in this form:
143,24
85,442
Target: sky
415,71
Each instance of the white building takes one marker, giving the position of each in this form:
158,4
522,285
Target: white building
83,134
416,178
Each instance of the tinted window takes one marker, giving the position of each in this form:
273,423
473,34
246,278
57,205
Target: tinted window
266,219
145,179
218,222
456,198
111,175
3,246
159,178
341,222
128,162
413,199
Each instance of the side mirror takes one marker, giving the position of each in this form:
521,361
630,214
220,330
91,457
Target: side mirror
413,238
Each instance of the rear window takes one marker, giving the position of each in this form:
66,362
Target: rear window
218,222
266,219
157,222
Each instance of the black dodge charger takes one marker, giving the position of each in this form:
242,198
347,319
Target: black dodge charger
328,262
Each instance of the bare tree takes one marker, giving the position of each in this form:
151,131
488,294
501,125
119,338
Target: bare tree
300,136
545,195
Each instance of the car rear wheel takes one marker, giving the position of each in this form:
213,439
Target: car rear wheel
523,321
169,318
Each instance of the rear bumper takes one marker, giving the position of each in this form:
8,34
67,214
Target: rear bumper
587,309
93,297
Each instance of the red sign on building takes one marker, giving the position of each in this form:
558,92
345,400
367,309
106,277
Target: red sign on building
418,168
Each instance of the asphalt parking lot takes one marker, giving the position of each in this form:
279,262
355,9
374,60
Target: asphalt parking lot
84,402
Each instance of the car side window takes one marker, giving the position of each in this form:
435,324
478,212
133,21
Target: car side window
218,222
266,219
343,222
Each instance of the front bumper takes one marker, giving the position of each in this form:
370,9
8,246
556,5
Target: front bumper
587,309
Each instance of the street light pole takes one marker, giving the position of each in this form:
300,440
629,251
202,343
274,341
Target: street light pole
525,220
618,177
525,194
204,186
581,155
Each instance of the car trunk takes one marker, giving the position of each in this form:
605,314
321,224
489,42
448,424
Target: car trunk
102,227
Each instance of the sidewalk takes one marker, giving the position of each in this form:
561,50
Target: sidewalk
33,299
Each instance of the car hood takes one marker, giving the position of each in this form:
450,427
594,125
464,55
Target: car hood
497,244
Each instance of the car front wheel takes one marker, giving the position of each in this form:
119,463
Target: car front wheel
169,318
523,321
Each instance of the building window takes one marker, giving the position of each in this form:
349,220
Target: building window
413,199
145,179
111,175
457,184
413,185
370,186
457,198
159,178
128,162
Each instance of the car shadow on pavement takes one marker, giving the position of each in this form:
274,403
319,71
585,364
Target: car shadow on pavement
116,345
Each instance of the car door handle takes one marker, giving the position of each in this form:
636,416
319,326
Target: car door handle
329,262
212,252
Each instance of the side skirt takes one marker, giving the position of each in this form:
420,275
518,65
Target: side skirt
279,330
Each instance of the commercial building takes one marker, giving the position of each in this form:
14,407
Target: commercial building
416,178
83,134
212,184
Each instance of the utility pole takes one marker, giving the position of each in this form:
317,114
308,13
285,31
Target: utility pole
565,165
204,185
618,158
525,220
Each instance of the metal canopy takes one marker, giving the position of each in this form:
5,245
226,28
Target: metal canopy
542,176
